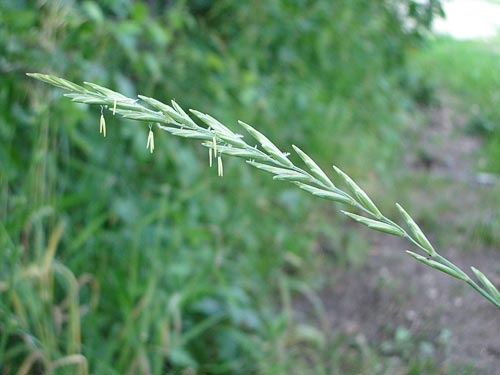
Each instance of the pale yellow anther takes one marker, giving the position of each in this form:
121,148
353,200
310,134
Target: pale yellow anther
210,157
215,145
102,126
220,168
151,141
114,107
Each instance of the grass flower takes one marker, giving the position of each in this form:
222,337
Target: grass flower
151,140
102,123
268,157
220,167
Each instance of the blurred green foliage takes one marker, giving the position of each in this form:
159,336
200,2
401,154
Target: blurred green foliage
115,261
474,80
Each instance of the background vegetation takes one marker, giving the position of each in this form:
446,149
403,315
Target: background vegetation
116,261
474,82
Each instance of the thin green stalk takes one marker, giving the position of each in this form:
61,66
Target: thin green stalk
220,140
489,296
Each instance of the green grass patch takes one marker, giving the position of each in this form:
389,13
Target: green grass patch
469,71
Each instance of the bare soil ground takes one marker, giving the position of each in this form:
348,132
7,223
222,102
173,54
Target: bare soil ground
392,290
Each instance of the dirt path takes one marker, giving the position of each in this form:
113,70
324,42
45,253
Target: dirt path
394,300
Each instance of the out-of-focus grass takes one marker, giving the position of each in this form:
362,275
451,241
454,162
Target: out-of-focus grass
470,71
462,77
